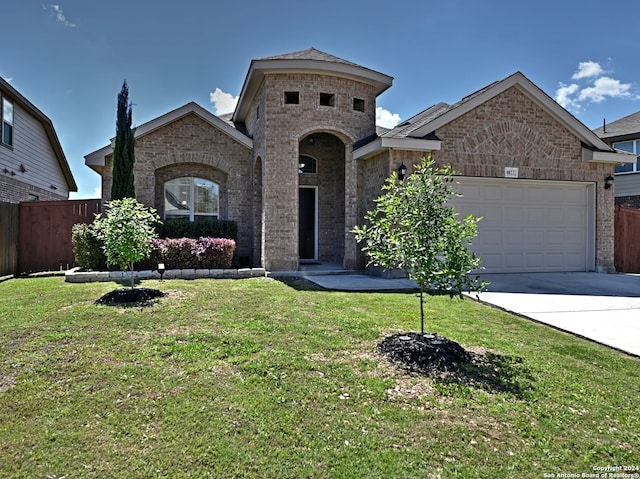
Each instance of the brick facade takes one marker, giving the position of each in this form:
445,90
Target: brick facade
511,130
16,191
281,132
322,112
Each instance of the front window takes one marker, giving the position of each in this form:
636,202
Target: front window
7,122
191,199
632,146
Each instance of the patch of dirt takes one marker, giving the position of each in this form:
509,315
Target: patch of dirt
440,358
132,297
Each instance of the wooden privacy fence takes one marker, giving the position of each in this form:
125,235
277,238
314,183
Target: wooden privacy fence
627,240
9,217
45,233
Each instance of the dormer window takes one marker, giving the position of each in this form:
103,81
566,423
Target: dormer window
327,99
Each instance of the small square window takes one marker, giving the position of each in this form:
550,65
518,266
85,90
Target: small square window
292,97
358,104
327,99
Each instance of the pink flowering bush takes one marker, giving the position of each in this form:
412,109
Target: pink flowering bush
187,253
214,252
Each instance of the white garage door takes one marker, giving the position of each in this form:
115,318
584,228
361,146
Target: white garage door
530,226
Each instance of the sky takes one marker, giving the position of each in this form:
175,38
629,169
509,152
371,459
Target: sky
70,57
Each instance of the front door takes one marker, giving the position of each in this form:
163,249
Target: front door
308,223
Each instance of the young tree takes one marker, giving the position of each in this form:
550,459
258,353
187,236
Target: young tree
126,231
123,150
414,229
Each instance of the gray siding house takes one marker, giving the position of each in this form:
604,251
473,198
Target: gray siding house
301,161
32,163
624,135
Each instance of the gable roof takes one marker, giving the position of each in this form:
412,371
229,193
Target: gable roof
627,127
96,159
424,125
50,131
304,61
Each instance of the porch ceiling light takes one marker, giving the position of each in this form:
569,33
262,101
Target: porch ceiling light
608,182
402,172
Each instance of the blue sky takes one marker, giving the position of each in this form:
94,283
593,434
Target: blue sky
70,57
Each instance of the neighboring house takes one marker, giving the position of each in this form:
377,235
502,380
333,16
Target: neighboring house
300,162
32,163
624,135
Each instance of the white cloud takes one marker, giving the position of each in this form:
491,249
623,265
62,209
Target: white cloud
385,118
587,70
591,86
223,102
563,94
60,15
605,87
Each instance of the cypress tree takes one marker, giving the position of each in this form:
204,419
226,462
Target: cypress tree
123,151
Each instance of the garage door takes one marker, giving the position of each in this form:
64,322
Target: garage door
530,226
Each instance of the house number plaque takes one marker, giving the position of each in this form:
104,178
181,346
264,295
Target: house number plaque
510,172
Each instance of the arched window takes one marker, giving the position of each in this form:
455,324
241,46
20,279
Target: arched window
192,199
306,164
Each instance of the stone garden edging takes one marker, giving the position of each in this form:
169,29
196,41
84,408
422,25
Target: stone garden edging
78,275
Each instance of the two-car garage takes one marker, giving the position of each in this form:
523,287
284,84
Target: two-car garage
530,225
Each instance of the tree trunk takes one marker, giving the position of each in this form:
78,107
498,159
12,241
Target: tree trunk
421,310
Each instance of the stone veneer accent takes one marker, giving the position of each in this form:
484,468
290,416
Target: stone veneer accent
16,191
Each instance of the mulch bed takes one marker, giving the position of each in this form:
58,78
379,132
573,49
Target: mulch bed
441,359
130,297
426,354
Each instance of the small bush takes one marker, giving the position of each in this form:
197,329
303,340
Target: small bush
215,252
177,228
178,253
87,248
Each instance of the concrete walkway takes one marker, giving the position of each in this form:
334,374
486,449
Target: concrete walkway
604,308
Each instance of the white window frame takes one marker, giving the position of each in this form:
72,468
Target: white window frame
6,122
636,151
190,212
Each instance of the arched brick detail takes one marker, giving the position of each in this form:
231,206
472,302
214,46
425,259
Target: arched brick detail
213,160
509,136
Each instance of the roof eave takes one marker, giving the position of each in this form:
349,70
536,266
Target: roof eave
49,130
407,144
532,91
96,159
613,157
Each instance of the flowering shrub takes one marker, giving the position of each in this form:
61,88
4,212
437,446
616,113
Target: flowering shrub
214,252
187,253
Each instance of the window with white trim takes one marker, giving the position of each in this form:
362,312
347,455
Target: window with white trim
193,199
7,122
631,146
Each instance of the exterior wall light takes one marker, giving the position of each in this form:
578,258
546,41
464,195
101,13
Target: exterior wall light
402,172
608,182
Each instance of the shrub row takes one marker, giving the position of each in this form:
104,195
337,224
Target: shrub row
177,228
175,253
187,253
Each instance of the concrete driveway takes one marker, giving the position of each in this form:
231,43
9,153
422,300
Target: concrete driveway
604,308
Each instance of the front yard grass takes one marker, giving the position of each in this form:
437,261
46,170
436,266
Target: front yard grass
256,378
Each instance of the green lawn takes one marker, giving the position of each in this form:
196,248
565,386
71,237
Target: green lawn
258,378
